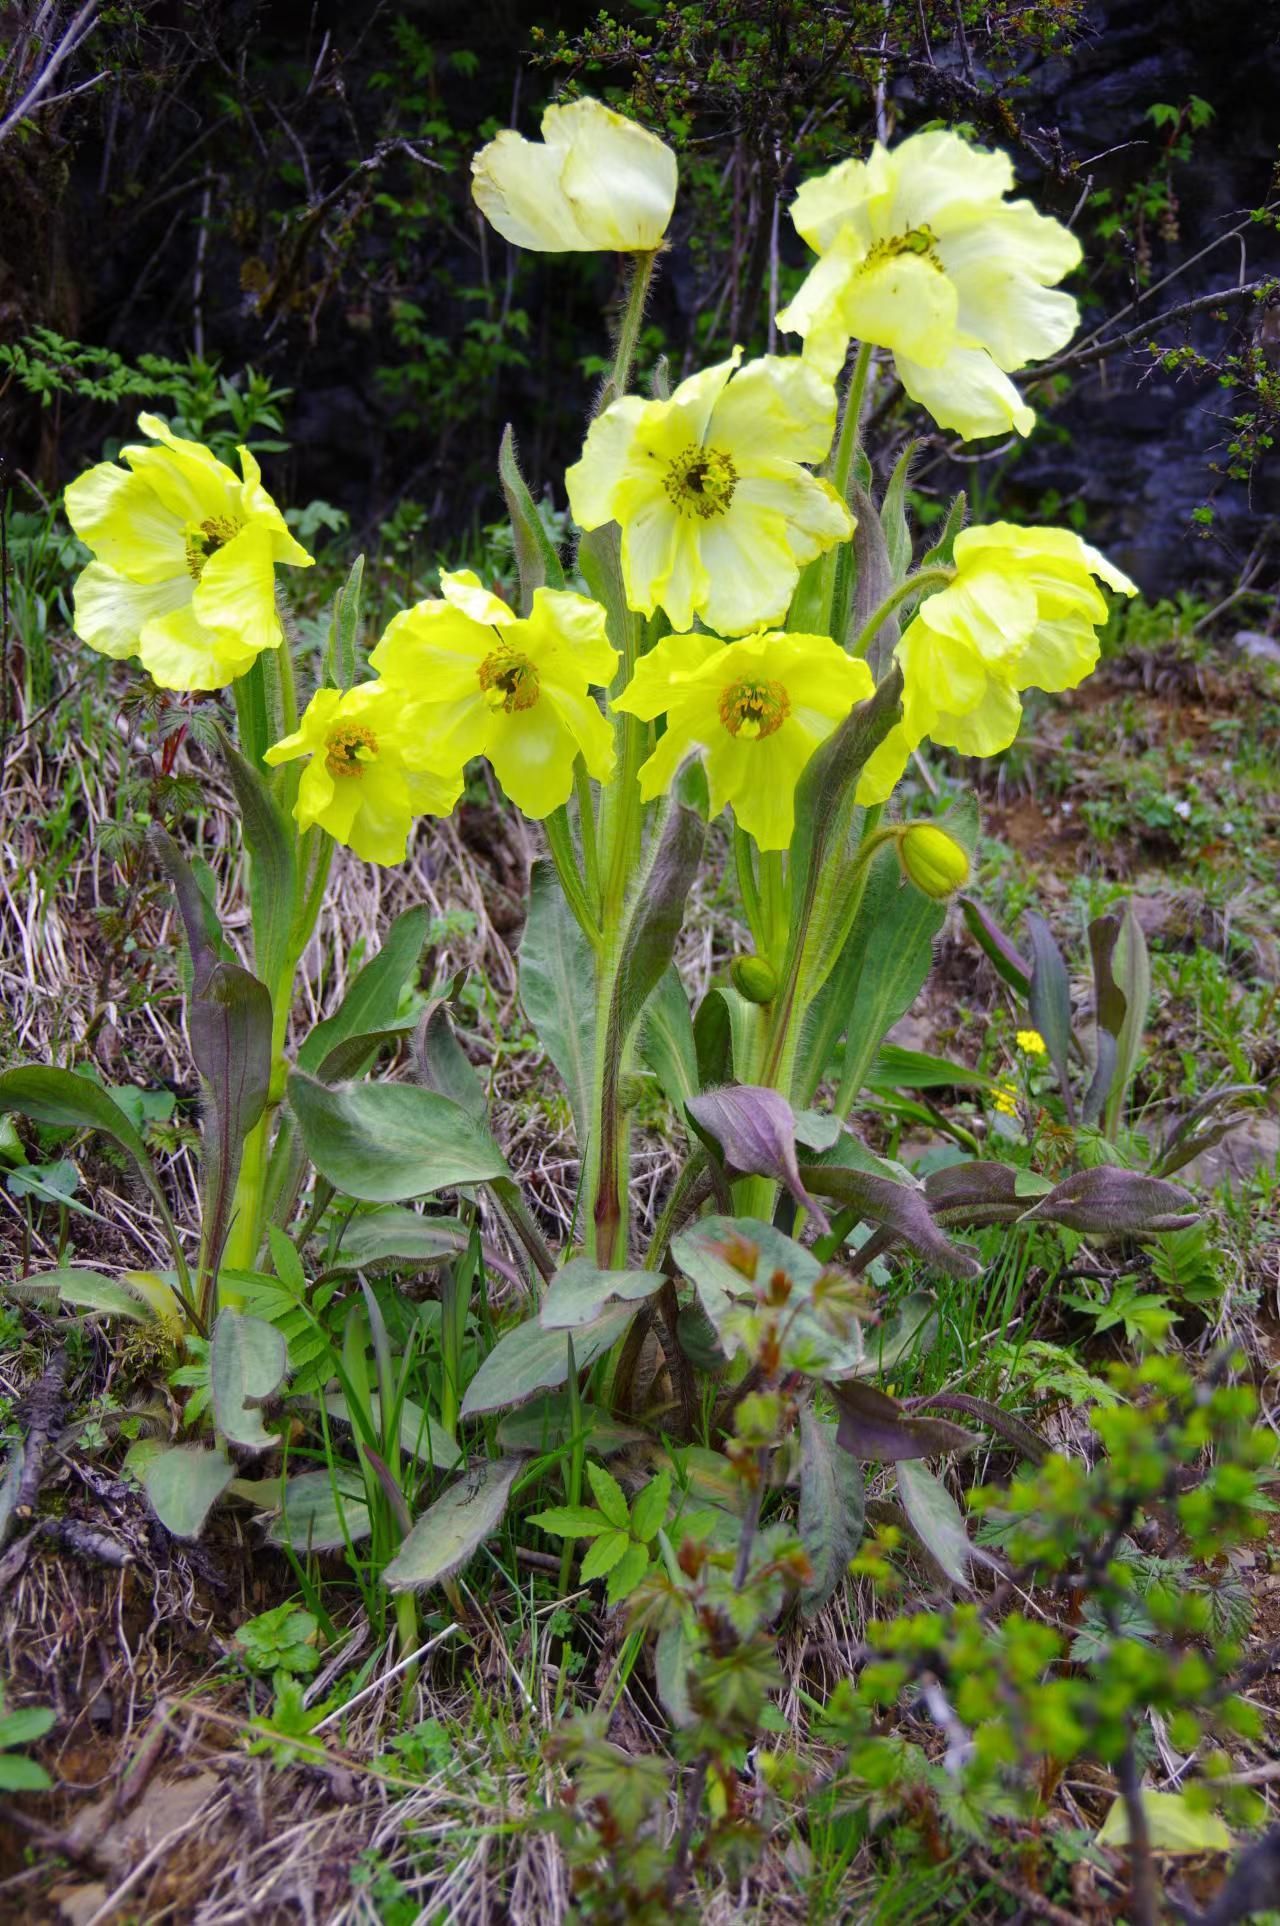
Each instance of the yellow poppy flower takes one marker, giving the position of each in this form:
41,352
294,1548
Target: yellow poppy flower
718,516
183,574
363,781
922,254
479,680
1021,613
595,181
758,708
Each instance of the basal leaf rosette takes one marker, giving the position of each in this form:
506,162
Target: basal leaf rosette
757,709
183,574
478,680
922,254
717,510
595,181
365,780
1022,612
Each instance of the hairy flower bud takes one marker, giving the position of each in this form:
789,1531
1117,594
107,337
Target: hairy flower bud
932,860
755,978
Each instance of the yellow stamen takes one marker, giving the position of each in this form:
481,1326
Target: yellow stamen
509,680
701,482
349,748
203,538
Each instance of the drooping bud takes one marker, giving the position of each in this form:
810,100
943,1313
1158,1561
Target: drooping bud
754,978
932,860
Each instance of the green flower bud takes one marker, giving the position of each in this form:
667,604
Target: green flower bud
755,978
932,860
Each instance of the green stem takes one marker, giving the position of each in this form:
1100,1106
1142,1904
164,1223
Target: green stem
924,578
773,897
628,335
744,856
841,464
587,834
816,604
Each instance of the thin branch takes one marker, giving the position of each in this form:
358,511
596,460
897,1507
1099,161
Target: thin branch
1084,357
82,25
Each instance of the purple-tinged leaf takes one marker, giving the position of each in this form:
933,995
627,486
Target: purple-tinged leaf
755,1131
901,1209
1007,960
1050,998
874,1425
1110,1200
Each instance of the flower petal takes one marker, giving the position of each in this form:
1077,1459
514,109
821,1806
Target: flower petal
618,178
532,752
463,590
609,454
967,393
121,518
565,634
904,302
236,592
663,675
111,611
516,185
751,569
776,406
178,652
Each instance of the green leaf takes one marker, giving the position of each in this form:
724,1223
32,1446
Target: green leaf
440,1061
752,1131
247,1362
372,1002
85,1291
530,1359
1174,1825
1050,999
183,1485
571,1521
1007,961
273,881
558,989
725,1258
22,1775
935,1518
900,1208
537,562
897,1069
893,517
649,1511
322,1511
229,1023
579,1293
666,1041
25,1725
832,1509
387,1141
547,1423
342,655
64,1100
1131,965
626,1574
452,1530
421,1436
648,939
603,1555
609,1495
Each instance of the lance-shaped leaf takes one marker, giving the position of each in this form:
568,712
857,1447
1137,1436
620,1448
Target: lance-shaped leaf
247,1362
832,1509
82,1290
342,652
979,1192
530,1359
557,989
1007,959
1110,1200
1200,1129
1131,967
935,1518
656,915
322,1511
537,562
396,1236
579,1293
666,1040
183,1485
874,1425
1109,1008
901,1209
439,1059
272,865
875,575
453,1529
205,943
754,1130
388,1141
372,1002
893,517
229,1023
1050,999
1003,1423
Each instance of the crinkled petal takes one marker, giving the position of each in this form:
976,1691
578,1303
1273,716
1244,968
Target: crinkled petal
937,177
1059,655
759,776
694,401
818,310
776,406
178,652
433,652
122,519
816,517
611,456
967,393
236,592
532,752
111,611
321,712
1003,269
260,507
990,610
882,771
904,302
581,716
618,178
516,185
565,635
464,590
751,569
829,203
662,677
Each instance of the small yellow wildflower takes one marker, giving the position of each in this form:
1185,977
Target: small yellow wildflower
718,514
364,782
922,254
478,680
1031,1042
1004,1098
594,181
758,708
184,560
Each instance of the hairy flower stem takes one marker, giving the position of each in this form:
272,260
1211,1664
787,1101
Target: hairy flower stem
924,578
628,335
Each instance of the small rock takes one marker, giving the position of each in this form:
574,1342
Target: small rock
1257,646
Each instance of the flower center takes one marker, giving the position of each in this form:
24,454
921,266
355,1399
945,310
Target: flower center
701,482
203,538
349,748
917,240
754,709
510,681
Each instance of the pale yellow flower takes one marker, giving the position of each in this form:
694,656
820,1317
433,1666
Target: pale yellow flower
595,181
183,574
922,254
718,513
1004,1098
